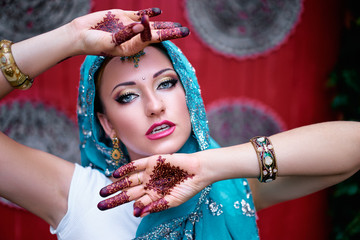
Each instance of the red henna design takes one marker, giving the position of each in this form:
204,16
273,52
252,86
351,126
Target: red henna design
114,201
172,33
164,25
124,34
165,177
138,207
157,206
109,24
123,170
115,187
151,12
146,34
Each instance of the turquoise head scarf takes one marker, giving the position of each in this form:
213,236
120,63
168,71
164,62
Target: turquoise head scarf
224,210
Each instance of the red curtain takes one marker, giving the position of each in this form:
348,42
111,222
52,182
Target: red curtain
290,80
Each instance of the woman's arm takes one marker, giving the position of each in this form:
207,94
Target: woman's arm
36,180
309,159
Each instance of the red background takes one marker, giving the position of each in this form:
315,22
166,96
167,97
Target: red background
290,80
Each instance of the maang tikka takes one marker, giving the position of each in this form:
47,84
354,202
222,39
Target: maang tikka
116,153
135,58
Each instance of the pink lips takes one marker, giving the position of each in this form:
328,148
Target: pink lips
160,130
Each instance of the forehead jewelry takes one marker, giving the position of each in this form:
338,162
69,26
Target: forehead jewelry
135,58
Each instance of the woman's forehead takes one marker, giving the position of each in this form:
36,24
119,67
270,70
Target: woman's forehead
153,60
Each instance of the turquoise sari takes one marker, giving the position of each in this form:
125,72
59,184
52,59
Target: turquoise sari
224,210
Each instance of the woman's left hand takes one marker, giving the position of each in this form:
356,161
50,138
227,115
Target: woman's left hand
121,33
156,183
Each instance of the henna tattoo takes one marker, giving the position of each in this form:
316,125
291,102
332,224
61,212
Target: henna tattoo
151,12
165,25
115,187
123,170
157,206
124,34
146,34
114,201
138,207
110,23
165,177
172,33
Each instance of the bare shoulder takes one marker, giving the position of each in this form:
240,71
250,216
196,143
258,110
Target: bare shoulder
35,180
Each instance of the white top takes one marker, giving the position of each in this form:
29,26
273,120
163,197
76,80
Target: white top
84,220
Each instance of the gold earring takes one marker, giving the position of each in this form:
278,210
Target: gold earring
116,153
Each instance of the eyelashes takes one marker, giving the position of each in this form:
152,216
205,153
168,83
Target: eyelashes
166,83
126,97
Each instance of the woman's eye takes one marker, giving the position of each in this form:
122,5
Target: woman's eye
167,84
126,98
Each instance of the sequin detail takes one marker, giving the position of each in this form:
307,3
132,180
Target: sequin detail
245,208
215,209
175,228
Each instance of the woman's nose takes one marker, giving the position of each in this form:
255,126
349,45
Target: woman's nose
154,105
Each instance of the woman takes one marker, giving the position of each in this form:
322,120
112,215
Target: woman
43,183
145,108
224,210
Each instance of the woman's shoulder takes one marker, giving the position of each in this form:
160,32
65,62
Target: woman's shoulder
83,218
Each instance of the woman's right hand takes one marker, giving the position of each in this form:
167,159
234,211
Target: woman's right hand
116,32
156,183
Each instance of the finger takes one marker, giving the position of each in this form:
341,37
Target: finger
126,33
140,204
124,170
125,182
121,198
146,34
137,165
115,187
136,15
151,12
164,25
156,206
171,33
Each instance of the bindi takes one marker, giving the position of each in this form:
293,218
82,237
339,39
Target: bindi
165,176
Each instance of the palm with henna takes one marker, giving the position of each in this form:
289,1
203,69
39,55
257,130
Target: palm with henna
155,183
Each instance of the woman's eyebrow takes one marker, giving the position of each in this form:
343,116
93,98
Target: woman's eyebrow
124,84
161,71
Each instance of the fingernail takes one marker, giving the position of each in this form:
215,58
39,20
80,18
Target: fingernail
184,31
104,192
102,206
137,212
156,11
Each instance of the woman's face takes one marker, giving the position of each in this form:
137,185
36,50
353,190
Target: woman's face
144,107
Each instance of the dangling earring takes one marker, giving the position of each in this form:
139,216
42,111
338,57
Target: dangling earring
116,153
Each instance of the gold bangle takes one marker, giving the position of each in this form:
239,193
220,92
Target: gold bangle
9,68
266,157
